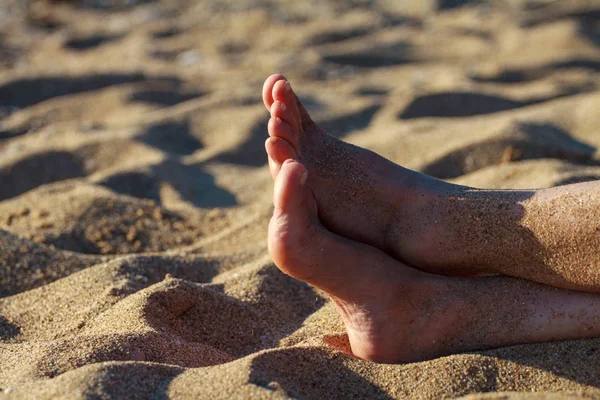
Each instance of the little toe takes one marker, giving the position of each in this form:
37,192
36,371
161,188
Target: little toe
279,151
267,92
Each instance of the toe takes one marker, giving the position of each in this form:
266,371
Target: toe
290,190
282,111
282,91
267,92
278,150
280,129
292,227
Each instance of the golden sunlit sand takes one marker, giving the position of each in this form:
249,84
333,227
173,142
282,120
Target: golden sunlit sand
135,192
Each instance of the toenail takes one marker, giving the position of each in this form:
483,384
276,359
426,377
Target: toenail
304,177
283,107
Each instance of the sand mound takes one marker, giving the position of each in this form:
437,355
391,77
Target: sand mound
135,193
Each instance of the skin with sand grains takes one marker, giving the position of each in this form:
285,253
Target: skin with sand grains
408,295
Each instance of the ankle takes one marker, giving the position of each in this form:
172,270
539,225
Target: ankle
413,231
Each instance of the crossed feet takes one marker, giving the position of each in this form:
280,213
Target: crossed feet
343,219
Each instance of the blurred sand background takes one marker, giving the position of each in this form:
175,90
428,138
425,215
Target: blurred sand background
135,195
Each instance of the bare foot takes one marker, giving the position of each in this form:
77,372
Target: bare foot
394,313
360,195
369,288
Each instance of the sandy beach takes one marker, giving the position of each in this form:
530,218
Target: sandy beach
135,193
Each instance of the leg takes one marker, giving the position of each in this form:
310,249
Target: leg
394,313
550,236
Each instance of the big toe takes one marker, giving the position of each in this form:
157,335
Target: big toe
294,223
291,196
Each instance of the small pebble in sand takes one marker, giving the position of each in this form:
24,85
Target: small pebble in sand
189,57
